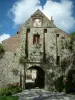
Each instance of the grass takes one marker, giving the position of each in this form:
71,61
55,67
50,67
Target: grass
8,98
8,91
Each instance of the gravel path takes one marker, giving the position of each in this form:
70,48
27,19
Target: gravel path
40,94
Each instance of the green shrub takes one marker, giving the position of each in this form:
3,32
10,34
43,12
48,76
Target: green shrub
16,90
10,90
5,91
22,60
2,51
59,85
1,48
70,83
69,87
9,98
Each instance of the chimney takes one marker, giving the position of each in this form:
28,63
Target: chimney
52,19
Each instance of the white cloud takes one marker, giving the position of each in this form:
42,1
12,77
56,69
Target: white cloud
4,36
22,9
61,12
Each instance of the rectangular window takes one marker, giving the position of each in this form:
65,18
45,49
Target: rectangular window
45,30
58,60
26,42
28,30
36,39
57,35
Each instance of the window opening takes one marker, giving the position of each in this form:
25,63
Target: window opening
58,60
36,38
45,30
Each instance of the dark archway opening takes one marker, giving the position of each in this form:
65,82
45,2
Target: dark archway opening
35,78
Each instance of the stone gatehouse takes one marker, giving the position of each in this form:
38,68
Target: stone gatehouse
33,56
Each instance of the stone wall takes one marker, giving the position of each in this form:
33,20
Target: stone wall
15,49
35,52
10,68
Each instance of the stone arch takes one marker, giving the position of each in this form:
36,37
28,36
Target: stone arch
35,78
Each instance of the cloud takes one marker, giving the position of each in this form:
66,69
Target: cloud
22,10
3,37
61,12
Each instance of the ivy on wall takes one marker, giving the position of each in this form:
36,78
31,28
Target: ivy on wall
59,85
22,60
15,71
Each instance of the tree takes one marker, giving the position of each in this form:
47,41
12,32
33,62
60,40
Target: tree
72,36
1,50
73,40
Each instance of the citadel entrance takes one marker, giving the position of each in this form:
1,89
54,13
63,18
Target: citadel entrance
35,77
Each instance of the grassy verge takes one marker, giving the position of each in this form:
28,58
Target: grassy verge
8,98
10,90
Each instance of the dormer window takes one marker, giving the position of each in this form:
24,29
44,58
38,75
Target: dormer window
37,22
36,38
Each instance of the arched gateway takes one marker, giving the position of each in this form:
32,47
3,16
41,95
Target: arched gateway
38,48
35,77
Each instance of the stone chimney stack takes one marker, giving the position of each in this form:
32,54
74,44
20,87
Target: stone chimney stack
52,19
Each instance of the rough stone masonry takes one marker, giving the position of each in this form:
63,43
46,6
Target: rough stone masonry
41,46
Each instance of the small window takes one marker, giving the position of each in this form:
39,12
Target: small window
28,30
58,60
62,37
57,35
36,38
37,22
45,30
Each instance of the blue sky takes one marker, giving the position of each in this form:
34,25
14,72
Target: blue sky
15,12
6,23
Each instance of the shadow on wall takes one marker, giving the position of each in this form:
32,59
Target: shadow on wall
70,83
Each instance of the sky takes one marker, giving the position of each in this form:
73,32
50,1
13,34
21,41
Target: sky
14,13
